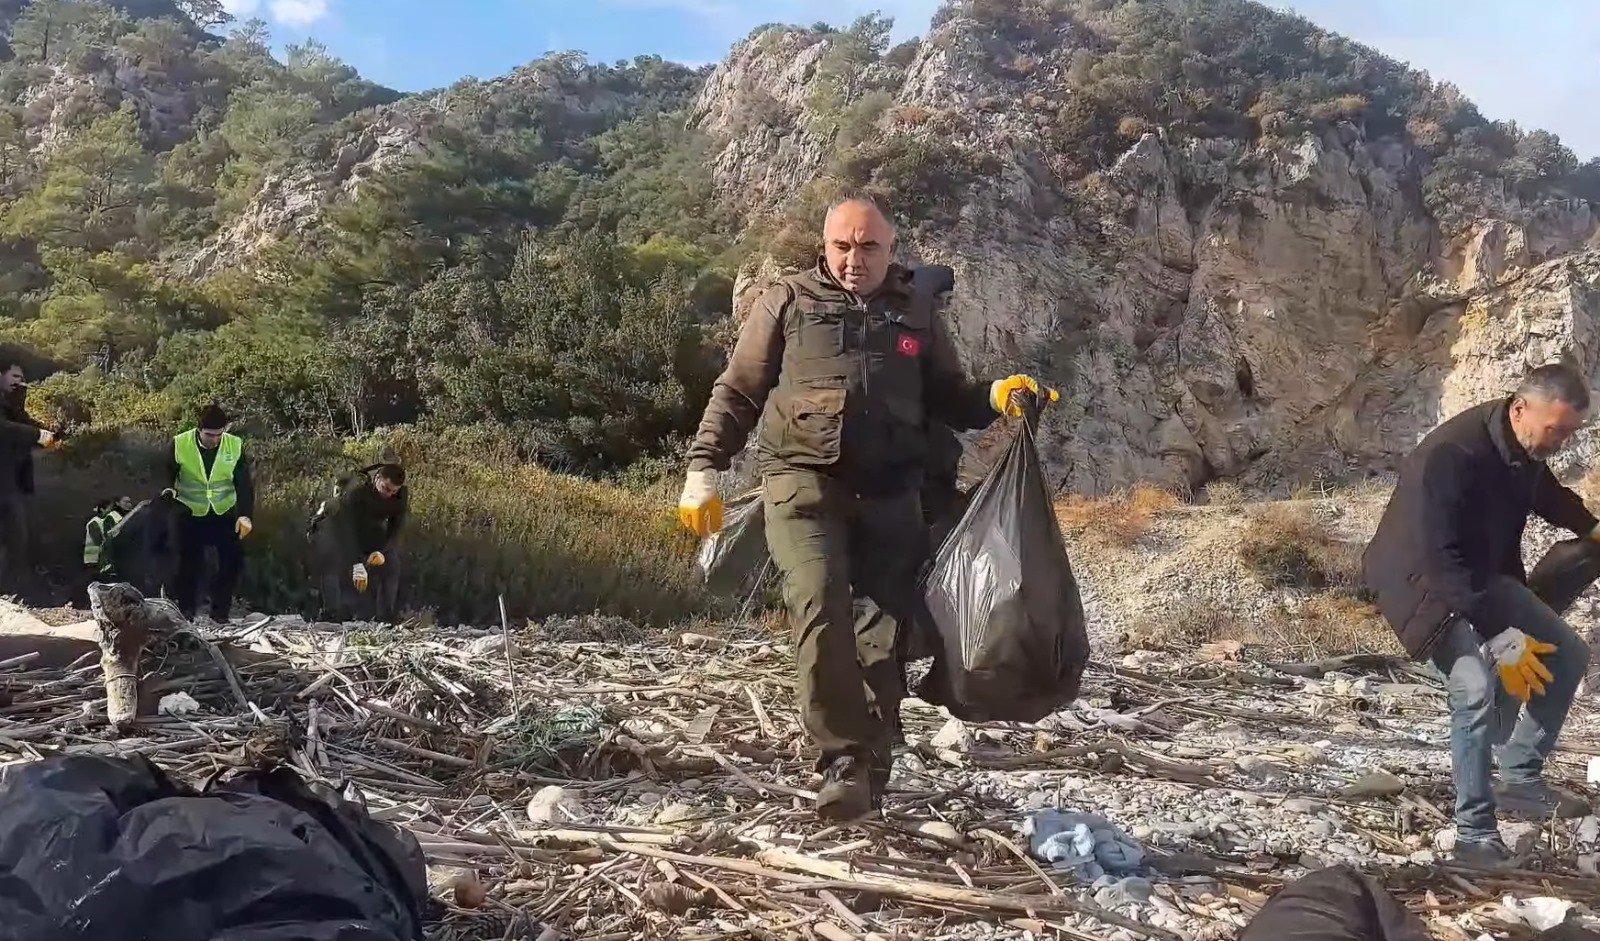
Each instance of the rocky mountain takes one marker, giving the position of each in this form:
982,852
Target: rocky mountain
1274,308
1243,247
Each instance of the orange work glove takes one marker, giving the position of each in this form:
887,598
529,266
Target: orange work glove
700,507
1002,394
1517,660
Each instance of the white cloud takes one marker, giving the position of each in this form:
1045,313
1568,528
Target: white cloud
297,12
242,9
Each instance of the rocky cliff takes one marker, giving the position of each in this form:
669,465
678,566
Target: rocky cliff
1270,309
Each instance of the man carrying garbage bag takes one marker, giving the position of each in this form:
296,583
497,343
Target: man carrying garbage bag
842,364
1446,567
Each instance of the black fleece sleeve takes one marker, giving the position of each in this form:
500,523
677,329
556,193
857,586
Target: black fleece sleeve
244,486
1559,506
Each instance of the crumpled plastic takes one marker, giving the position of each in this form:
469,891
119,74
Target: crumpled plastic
1541,913
177,704
1087,844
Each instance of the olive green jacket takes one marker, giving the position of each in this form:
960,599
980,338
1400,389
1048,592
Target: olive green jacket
840,383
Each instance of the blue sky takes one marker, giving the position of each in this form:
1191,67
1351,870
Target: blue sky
1535,61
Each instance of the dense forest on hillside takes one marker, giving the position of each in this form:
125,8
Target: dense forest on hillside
543,255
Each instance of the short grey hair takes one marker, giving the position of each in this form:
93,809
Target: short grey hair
1556,382
864,196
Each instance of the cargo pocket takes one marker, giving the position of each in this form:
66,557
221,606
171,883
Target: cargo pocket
816,422
819,334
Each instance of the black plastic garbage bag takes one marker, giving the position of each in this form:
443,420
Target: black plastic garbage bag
1002,603
733,560
1565,572
110,849
1336,904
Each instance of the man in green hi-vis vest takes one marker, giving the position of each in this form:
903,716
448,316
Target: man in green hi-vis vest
211,479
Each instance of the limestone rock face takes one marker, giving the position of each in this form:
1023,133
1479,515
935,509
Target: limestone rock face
1210,308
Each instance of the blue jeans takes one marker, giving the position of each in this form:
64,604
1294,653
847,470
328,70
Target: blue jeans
1484,716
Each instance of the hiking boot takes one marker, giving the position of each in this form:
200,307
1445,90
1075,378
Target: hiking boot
1539,801
846,792
1488,853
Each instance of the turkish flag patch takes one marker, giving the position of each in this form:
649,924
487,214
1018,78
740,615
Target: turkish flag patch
908,345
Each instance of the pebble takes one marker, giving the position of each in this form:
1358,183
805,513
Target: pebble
1301,805
1320,828
1343,851
1375,784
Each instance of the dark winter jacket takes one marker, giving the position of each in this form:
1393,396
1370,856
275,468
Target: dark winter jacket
839,383
1455,522
143,548
19,435
360,520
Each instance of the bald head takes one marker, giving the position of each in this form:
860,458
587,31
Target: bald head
858,242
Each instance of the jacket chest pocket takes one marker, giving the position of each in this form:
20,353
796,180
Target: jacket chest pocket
819,332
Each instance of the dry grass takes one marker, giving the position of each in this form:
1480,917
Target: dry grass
1324,625
1328,624
1288,547
1119,520
1224,493
481,526
1197,621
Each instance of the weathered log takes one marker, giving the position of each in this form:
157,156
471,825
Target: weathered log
127,620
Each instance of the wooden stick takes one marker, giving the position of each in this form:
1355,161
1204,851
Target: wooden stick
511,669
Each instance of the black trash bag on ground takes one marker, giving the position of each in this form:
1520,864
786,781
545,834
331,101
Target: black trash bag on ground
1335,904
107,849
733,560
1565,572
1002,605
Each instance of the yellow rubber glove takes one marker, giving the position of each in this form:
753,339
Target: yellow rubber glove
1003,391
376,559
358,576
1517,660
243,526
700,507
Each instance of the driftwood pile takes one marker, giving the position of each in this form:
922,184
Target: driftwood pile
660,786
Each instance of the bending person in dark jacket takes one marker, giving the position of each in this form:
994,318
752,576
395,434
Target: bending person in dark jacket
1446,567
210,476
355,536
142,549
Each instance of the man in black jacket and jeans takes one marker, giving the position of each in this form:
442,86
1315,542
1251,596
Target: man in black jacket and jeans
20,433
1446,567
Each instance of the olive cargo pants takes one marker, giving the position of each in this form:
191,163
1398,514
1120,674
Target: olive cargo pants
833,546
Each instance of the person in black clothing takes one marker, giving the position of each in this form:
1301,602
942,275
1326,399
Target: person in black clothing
1447,572
20,433
210,476
142,550
355,540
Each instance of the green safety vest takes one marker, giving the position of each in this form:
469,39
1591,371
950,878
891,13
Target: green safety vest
94,535
201,493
